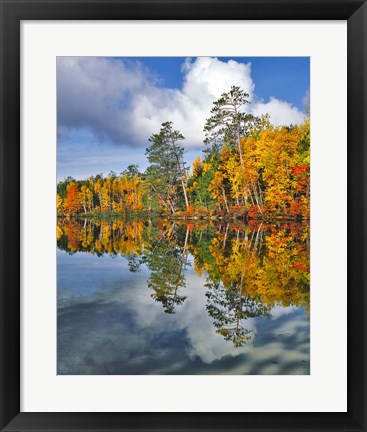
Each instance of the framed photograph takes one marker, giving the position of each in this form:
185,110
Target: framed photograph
183,215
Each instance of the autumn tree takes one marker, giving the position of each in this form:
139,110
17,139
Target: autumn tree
62,186
199,184
86,199
72,202
98,184
59,204
220,185
229,124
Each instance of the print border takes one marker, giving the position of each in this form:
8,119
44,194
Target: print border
12,12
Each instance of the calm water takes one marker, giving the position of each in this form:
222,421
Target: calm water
156,297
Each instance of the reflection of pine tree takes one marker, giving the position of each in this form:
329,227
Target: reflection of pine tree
229,307
166,278
167,263
134,263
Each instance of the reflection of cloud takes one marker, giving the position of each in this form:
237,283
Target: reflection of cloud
205,343
278,311
120,100
131,291
109,324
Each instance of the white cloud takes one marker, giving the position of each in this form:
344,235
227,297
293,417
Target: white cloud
205,79
281,112
306,99
121,100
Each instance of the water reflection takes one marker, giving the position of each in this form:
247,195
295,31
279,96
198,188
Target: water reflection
226,287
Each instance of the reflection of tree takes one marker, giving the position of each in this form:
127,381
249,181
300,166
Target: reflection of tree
266,261
230,307
167,262
134,263
99,237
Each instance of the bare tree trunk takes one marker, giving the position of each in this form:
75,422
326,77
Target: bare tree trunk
173,210
100,199
239,143
252,200
84,206
257,239
256,196
240,152
225,237
237,201
185,194
260,192
225,200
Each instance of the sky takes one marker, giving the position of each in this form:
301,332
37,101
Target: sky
108,107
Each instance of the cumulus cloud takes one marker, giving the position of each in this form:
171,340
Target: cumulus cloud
281,112
306,99
94,92
121,102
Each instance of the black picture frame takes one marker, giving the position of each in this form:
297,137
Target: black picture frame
12,12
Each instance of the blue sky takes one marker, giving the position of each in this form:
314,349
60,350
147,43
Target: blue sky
108,107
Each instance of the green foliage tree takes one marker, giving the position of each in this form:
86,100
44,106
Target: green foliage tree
132,171
229,122
167,171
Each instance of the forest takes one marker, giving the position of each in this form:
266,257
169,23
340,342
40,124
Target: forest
249,169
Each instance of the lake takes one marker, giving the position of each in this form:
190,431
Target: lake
183,297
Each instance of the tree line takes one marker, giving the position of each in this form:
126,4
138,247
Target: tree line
249,168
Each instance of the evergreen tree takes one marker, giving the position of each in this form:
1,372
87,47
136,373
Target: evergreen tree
167,171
